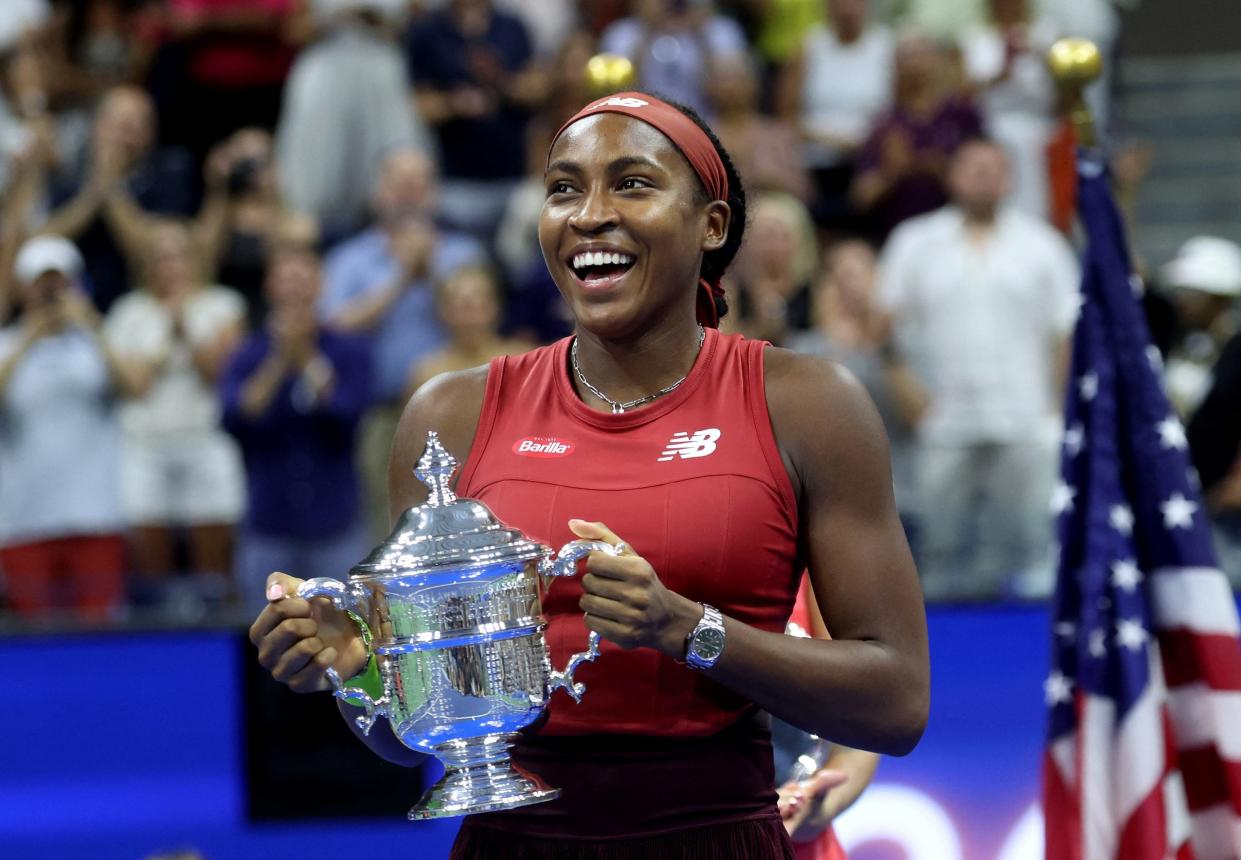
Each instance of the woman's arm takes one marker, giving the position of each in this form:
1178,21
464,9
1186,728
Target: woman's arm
869,687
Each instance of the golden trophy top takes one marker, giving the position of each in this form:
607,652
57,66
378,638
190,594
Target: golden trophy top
609,73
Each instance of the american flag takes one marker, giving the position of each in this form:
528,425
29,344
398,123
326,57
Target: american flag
1143,757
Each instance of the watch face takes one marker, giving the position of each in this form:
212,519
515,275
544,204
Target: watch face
708,643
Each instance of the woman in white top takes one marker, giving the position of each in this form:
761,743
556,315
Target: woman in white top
834,89
1005,62
178,468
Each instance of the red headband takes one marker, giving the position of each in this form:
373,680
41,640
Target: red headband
692,142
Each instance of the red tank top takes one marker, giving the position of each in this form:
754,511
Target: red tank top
694,482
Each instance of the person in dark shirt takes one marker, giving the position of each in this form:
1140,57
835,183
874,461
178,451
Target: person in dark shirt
470,66
1214,435
901,167
126,174
293,395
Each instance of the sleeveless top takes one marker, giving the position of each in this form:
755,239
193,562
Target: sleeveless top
693,482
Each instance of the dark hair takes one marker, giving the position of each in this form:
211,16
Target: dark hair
715,263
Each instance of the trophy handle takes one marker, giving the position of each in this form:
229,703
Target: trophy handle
565,564
339,595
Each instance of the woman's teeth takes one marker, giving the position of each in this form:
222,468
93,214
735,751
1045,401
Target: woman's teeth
600,258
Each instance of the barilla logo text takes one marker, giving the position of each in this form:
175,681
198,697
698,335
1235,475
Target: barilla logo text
542,446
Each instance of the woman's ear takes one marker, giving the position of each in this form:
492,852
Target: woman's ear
719,216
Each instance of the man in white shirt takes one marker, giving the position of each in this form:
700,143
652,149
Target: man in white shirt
982,300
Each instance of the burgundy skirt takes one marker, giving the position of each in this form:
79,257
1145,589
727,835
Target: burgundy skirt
641,798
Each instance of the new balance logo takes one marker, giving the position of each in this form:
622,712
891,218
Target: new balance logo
686,446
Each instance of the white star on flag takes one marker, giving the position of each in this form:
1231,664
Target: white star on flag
1155,359
1131,634
1062,498
1178,512
1057,688
1074,439
1088,385
1098,644
1172,434
1067,629
1125,574
1120,517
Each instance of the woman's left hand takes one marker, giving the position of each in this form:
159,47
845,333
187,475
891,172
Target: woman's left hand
625,602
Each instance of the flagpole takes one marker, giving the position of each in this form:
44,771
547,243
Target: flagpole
1075,63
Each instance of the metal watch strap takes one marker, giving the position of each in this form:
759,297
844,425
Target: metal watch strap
710,625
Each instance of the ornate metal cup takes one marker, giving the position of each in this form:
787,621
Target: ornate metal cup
453,599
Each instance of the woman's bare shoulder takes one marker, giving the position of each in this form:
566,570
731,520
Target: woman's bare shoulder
450,404
825,423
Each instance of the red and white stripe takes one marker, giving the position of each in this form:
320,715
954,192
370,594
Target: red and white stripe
1164,784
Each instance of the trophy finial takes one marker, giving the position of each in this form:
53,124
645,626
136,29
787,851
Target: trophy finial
435,469
1075,63
608,73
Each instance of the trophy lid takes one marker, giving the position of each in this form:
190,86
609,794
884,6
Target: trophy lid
445,532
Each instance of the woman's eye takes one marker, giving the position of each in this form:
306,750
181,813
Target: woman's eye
559,188
631,182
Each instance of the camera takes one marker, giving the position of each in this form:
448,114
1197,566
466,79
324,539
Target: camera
243,176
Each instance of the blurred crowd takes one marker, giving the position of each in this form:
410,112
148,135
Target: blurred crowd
235,235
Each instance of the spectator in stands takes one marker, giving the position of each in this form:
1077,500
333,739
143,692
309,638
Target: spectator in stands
765,150
61,541
1203,282
476,85
230,59
1006,64
241,214
983,299
125,168
293,395
850,329
346,107
834,88
179,469
770,290
380,285
674,44
91,47
901,166
1214,435
23,190
470,307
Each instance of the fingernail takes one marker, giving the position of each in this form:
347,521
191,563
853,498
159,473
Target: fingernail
275,591
575,521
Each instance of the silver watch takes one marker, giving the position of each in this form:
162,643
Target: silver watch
705,643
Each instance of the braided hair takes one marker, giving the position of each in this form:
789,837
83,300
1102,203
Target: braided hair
715,263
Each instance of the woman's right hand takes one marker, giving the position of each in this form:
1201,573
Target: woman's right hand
299,639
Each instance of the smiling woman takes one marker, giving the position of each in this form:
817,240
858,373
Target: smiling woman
724,466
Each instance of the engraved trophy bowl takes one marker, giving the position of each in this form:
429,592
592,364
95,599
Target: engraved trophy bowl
453,603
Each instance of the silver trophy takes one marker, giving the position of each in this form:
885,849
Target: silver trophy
454,602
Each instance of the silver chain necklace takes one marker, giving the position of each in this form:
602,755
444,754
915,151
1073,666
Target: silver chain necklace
618,407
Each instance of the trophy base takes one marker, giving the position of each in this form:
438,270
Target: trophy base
479,776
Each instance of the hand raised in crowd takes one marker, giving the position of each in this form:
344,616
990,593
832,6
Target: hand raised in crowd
108,163
299,639
39,322
896,154
217,165
412,244
626,603
294,331
76,309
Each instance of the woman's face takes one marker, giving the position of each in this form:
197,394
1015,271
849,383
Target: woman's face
624,225
468,304
170,265
773,240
